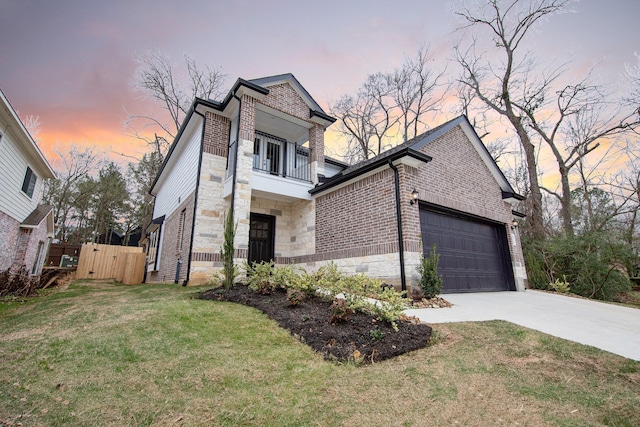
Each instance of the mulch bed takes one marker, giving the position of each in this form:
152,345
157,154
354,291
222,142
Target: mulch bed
362,338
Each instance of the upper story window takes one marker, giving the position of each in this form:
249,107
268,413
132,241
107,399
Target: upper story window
29,183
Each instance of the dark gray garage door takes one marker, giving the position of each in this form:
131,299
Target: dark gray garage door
474,254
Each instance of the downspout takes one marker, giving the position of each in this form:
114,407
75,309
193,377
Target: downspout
403,279
235,161
195,202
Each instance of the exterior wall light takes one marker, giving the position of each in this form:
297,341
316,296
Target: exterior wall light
414,197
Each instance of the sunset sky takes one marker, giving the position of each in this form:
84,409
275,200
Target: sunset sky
72,62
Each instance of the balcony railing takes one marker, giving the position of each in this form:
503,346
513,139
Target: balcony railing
275,156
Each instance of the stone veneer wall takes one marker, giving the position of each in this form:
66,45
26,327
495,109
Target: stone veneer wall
171,253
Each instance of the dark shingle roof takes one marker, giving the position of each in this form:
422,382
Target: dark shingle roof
35,218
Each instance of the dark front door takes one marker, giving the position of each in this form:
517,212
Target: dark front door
474,256
261,238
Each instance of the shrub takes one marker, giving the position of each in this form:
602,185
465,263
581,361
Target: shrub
340,311
229,269
294,296
260,277
328,276
430,280
590,262
284,277
560,286
376,334
306,283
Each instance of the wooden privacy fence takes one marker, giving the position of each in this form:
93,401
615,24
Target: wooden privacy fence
122,263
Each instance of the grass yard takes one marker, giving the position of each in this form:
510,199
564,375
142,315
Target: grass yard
106,354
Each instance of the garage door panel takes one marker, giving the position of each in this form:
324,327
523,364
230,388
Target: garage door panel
472,253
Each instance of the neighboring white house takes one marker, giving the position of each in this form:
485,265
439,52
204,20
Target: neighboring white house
26,226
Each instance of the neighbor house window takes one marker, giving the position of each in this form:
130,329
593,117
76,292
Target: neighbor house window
29,183
154,240
38,261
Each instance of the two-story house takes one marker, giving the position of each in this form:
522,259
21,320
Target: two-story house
26,226
261,150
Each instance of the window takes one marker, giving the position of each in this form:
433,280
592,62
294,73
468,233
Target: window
38,261
183,215
154,240
29,183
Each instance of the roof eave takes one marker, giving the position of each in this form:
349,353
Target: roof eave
381,162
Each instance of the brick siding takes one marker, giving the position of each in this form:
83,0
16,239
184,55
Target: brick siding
284,98
9,231
359,215
216,134
248,118
457,178
170,253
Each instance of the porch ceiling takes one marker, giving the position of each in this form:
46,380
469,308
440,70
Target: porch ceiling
281,125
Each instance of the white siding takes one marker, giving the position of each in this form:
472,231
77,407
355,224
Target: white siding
179,176
13,165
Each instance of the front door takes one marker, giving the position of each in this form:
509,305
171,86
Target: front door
261,238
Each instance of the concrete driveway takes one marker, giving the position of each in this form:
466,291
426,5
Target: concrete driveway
606,326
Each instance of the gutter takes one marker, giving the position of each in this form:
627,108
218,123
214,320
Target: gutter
195,201
403,278
369,166
235,161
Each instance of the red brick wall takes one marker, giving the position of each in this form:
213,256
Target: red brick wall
361,214
284,98
316,143
216,134
170,254
248,118
9,230
457,178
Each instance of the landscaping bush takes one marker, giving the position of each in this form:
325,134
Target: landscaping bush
260,277
229,269
430,280
340,311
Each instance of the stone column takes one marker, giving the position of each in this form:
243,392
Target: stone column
244,170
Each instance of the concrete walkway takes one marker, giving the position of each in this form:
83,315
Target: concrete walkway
606,326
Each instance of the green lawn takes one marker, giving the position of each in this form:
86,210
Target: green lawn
105,354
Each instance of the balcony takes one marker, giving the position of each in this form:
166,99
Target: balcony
276,156
281,169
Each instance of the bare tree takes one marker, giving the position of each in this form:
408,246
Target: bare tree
388,104
413,88
632,76
365,119
582,119
65,193
498,83
157,77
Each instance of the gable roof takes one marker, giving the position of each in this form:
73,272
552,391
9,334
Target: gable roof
25,140
35,218
295,84
413,146
258,88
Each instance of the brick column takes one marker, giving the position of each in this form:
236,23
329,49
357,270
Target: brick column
316,146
